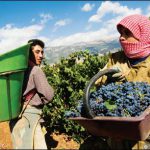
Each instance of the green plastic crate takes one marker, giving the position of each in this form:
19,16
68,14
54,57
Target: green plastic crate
12,67
16,59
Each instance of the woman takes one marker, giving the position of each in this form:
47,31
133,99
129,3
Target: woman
133,63
134,60
26,132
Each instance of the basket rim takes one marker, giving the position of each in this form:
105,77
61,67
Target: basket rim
119,119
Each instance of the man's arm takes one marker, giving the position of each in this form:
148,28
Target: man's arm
44,89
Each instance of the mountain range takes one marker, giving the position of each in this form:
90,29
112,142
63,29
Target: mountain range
54,54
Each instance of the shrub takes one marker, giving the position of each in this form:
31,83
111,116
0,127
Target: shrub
68,78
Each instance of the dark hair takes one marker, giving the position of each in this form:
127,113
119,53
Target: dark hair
35,42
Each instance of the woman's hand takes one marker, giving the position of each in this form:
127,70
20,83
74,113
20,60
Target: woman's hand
119,76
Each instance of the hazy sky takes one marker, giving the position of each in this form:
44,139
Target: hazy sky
63,22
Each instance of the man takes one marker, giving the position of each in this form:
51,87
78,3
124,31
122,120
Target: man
26,131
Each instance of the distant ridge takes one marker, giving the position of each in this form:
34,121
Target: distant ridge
53,54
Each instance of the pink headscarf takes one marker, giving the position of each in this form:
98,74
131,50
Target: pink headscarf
140,27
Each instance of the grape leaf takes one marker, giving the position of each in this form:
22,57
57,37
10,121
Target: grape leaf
109,105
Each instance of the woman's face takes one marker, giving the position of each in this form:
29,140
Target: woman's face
37,54
126,35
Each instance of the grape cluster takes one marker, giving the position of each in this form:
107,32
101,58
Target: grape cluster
71,114
128,99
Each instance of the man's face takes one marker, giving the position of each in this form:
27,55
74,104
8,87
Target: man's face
37,54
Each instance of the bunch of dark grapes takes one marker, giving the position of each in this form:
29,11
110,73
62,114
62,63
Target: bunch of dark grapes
71,114
78,112
128,99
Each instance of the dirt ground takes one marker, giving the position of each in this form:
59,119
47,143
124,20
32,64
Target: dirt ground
61,141
5,137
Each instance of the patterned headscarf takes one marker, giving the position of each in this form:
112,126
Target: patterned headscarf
139,25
